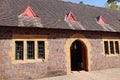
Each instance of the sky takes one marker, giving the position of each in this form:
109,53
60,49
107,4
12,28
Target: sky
99,3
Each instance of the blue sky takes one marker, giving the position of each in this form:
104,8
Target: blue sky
100,3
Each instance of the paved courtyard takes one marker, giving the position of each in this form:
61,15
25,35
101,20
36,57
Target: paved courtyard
109,74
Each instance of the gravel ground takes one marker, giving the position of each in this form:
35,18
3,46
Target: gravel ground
109,74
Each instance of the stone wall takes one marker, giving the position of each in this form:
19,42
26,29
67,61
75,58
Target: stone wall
99,59
56,64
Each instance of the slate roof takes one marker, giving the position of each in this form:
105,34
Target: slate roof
51,14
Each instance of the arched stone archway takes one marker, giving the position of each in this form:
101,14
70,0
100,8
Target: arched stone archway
78,56
86,44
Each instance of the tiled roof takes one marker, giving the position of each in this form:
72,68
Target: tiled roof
51,14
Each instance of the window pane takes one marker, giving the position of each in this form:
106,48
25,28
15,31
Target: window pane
117,47
30,49
106,47
41,50
111,47
19,50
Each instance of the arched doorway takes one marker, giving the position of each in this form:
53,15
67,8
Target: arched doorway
78,56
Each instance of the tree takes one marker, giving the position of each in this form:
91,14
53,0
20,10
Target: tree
109,1
112,4
81,2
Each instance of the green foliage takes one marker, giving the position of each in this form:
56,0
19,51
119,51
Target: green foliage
112,4
109,1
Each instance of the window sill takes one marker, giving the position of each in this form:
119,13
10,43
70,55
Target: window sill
112,55
28,61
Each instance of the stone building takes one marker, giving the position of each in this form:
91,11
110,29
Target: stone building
41,38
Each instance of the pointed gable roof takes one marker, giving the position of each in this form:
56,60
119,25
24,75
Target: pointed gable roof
101,20
71,17
29,12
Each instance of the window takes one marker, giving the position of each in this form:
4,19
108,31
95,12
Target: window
111,47
41,50
30,49
117,47
19,50
106,47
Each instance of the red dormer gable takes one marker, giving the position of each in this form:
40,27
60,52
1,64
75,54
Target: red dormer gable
101,20
29,12
71,17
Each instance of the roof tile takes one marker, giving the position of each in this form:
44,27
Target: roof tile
51,15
